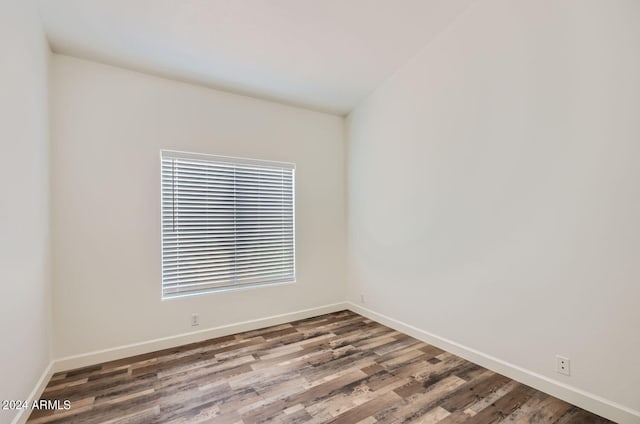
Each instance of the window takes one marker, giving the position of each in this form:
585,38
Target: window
226,223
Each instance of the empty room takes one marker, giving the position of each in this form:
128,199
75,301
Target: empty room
320,211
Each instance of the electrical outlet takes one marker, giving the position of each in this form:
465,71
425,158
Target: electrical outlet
563,365
195,320
362,298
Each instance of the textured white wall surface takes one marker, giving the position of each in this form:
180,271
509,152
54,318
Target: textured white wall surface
109,126
25,299
494,190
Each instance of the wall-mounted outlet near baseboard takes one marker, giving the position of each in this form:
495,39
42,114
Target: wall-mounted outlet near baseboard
563,365
362,300
195,320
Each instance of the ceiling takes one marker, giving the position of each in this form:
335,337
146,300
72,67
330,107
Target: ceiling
321,54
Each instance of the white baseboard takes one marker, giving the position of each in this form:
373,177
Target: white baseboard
23,414
97,357
589,401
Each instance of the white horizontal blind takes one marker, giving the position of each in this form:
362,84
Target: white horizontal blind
225,223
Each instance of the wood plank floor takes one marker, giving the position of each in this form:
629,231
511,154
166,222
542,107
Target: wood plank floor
335,368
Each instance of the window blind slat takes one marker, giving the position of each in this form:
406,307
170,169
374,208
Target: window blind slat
225,223
181,275
197,288
203,263
222,278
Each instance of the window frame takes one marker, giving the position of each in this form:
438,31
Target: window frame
230,161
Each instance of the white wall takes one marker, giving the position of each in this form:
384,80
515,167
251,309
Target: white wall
494,190
109,125
24,212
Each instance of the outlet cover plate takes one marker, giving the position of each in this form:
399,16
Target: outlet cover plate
563,365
